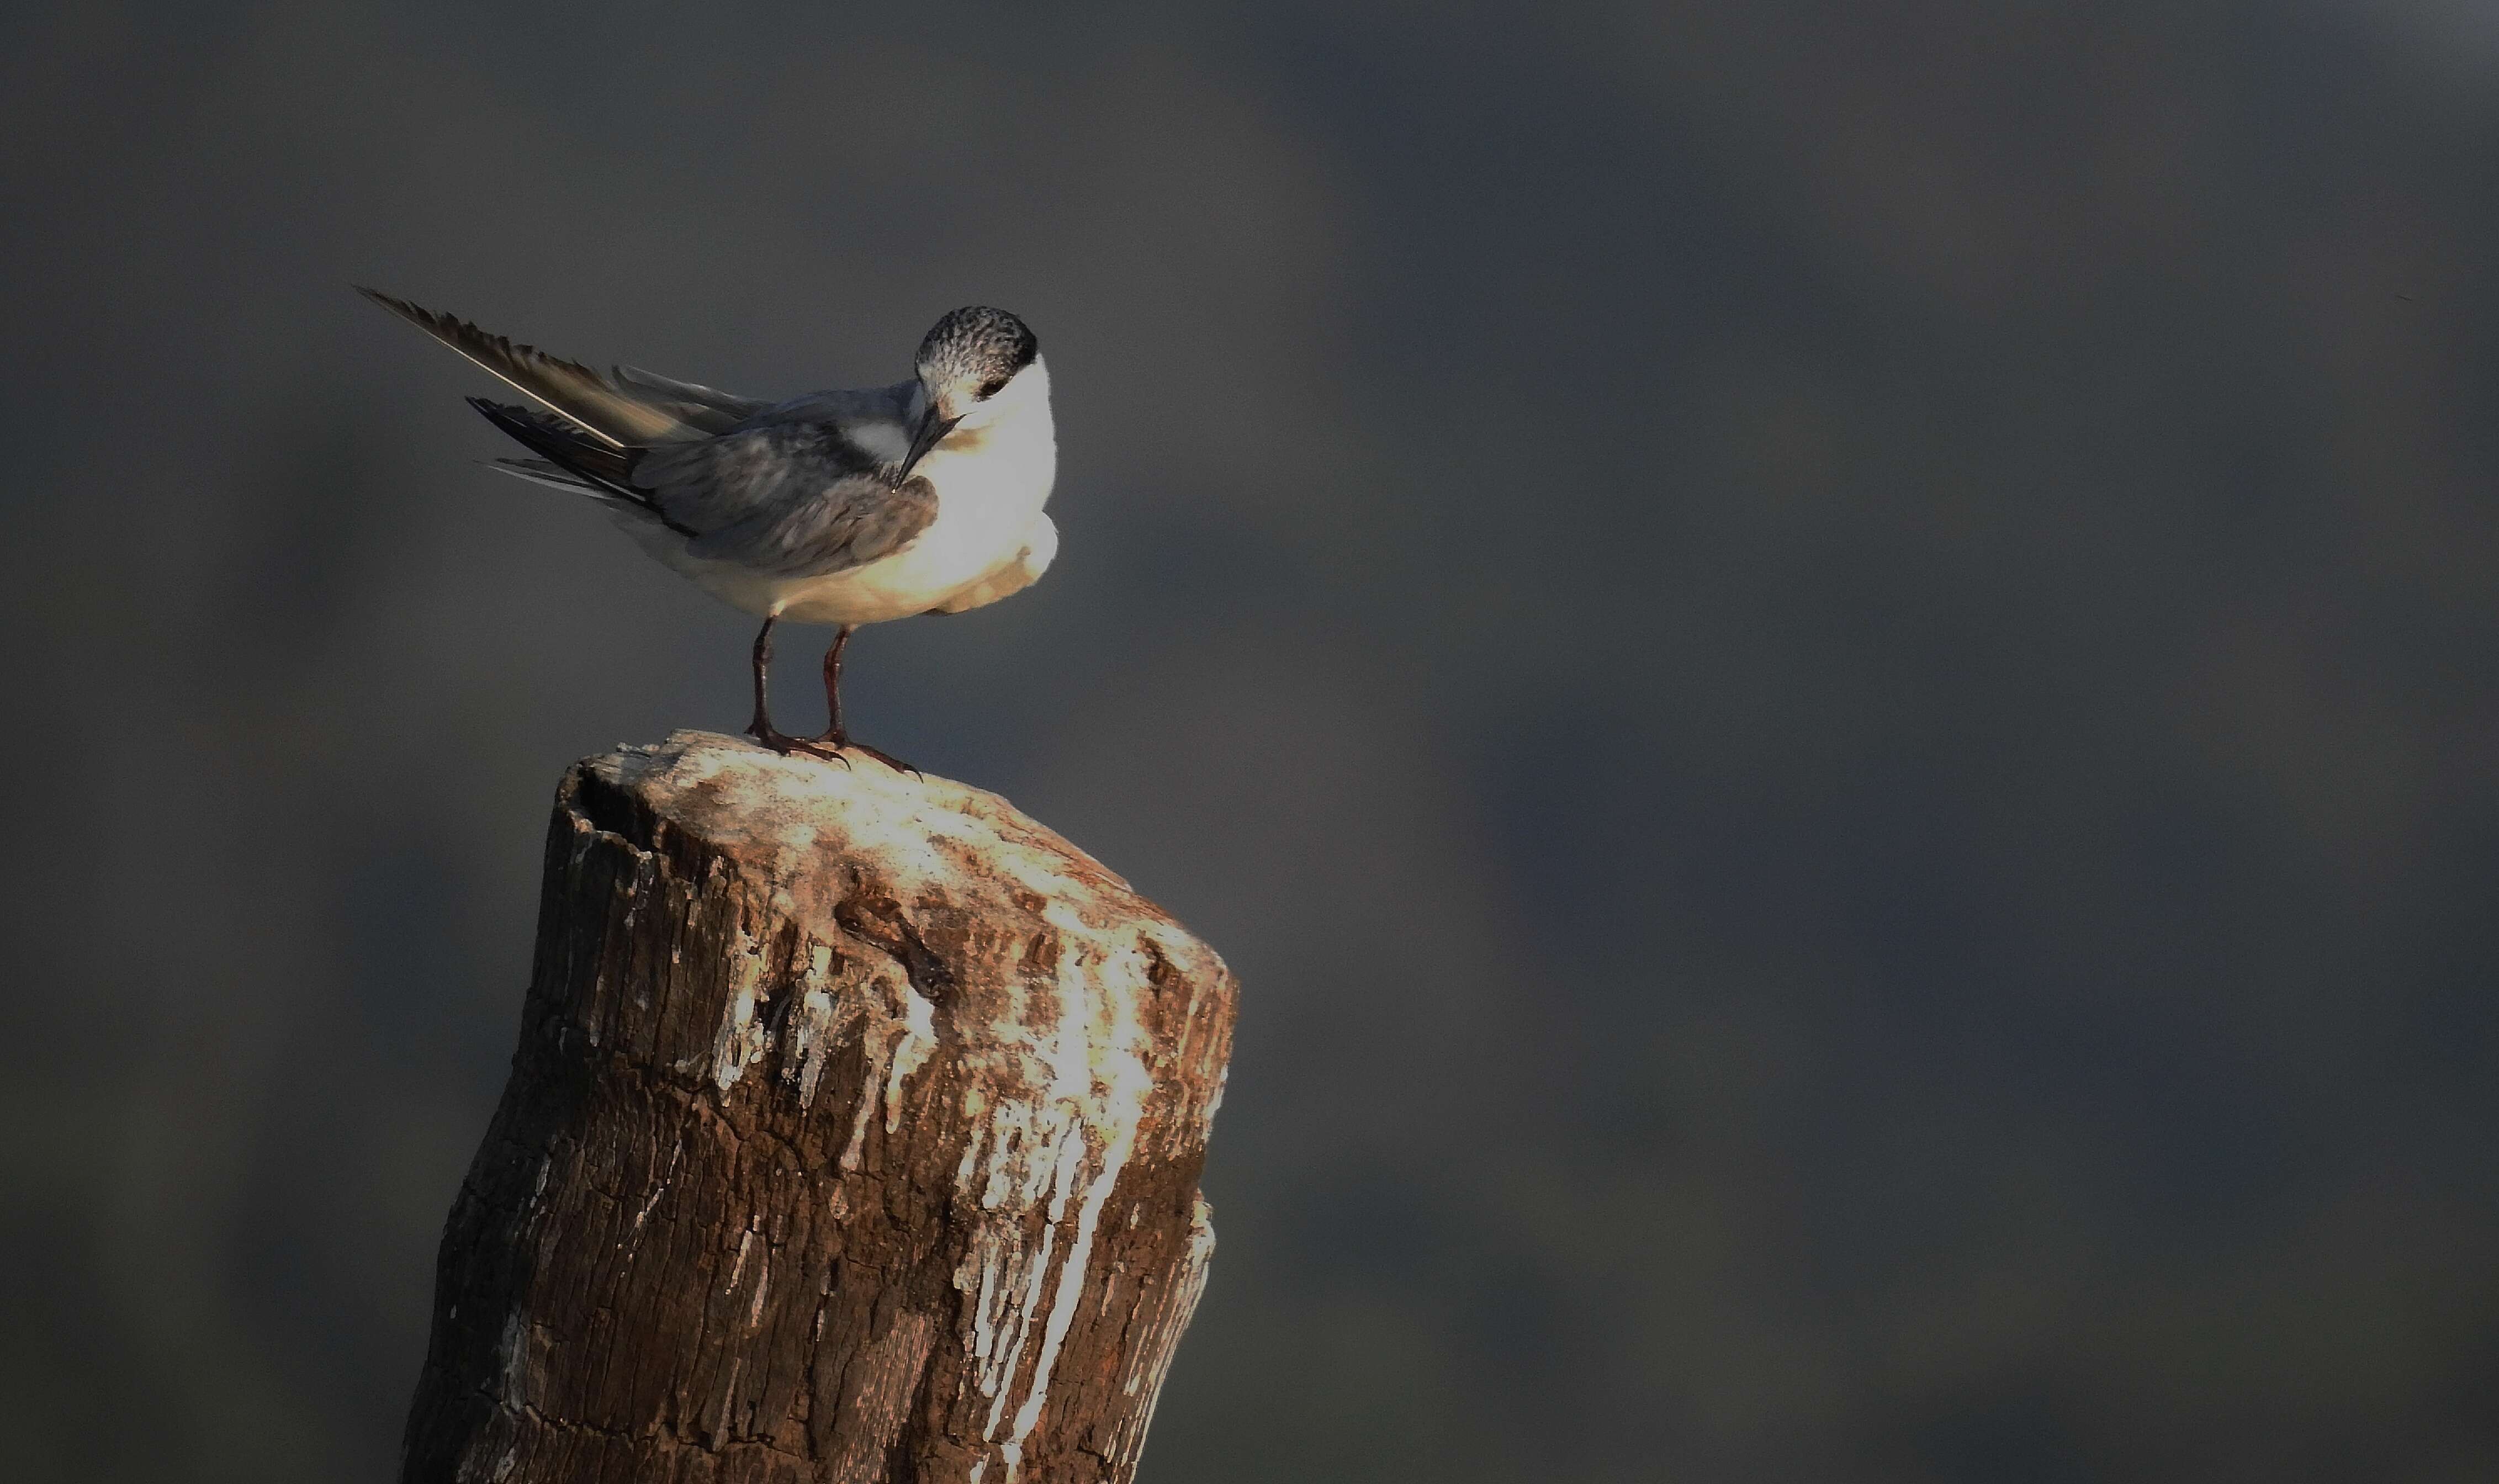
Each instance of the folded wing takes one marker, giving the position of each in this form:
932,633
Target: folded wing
798,489
790,499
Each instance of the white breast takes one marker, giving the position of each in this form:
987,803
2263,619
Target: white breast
992,474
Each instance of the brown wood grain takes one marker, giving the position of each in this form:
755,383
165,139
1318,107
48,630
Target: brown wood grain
853,1133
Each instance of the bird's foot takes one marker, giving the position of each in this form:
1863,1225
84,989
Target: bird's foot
841,742
785,744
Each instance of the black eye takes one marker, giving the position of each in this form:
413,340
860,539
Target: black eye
992,387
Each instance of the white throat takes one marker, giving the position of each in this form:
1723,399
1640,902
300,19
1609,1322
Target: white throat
1004,454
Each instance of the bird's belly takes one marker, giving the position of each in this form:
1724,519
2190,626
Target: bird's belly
990,496
982,524
741,587
912,580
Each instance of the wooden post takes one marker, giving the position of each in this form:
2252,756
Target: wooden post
853,1133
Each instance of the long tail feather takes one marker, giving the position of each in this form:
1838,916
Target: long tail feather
548,472
613,415
568,451
555,476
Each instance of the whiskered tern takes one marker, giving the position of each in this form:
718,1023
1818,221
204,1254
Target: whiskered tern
842,508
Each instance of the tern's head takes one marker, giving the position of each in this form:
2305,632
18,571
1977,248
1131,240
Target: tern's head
968,364
971,356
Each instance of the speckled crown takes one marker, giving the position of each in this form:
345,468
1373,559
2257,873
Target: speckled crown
977,341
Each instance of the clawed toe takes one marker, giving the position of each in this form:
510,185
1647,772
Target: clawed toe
815,747
835,743
841,743
785,744
888,759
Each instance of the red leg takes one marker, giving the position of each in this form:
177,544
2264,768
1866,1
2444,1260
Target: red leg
836,736
762,728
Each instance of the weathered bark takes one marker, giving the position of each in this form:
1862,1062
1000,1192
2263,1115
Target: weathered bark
854,1135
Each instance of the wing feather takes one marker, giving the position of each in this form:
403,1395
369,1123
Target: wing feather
566,446
707,406
618,415
785,499
794,489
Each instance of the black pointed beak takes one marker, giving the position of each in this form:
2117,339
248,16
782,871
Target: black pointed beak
932,432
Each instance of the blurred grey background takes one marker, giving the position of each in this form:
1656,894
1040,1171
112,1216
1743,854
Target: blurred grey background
1831,671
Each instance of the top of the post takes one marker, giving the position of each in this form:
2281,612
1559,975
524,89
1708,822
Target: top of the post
814,825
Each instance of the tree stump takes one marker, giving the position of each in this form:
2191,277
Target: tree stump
853,1133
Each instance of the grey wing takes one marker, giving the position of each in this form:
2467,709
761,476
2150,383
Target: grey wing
633,408
786,498
875,422
734,408
846,407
